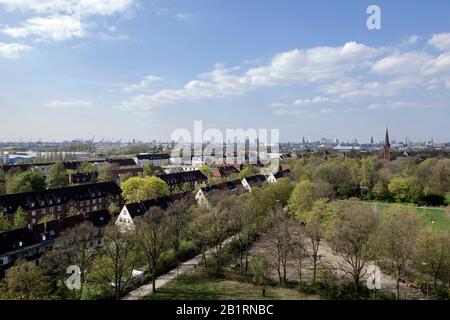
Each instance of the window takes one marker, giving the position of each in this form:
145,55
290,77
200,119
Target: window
93,201
51,210
33,213
43,211
1,262
59,208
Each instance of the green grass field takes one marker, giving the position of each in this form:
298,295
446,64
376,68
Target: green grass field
432,217
200,286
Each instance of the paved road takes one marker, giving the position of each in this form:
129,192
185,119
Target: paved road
141,292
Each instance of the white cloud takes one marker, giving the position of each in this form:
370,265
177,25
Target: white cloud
54,28
296,66
277,105
329,110
392,105
69,104
439,65
144,84
315,100
12,50
58,20
84,7
402,63
440,41
184,16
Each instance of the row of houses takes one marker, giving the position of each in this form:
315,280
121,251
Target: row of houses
31,242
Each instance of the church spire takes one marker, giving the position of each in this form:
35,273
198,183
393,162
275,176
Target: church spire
387,147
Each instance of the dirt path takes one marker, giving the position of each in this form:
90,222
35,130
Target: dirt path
329,260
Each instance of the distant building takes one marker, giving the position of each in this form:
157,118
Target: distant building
178,179
160,159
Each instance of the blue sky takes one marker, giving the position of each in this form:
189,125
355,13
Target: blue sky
141,69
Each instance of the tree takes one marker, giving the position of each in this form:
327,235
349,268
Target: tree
178,218
20,218
439,181
433,252
26,281
79,244
302,199
149,170
247,171
281,241
351,236
25,182
5,224
85,167
338,176
114,209
151,234
47,218
57,176
137,189
105,173
405,189
2,181
114,266
369,172
396,240
197,231
315,230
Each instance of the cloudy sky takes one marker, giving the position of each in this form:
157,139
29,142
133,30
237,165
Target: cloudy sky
141,69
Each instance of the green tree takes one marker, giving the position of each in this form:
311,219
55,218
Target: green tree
407,190
369,172
149,169
86,166
57,176
433,253
396,240
20,218
26,281
5,224
105,173
351,235
25,182
205,170
302,199
247,171
138,189
439,181
2,181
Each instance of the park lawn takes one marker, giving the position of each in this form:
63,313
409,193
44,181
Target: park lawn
440,217
200,286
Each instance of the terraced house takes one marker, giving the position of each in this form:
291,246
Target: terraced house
60,202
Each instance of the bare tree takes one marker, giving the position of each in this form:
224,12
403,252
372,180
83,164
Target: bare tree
152,233
351,236
281,241
299,249
178,217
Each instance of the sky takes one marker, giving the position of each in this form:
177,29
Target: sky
135,69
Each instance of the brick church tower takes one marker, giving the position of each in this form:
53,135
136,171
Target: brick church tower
387,147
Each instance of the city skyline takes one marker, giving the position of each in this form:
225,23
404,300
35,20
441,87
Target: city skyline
140,70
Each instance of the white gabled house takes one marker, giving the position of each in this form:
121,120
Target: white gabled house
124,221
201,199
271,178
